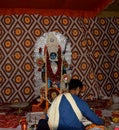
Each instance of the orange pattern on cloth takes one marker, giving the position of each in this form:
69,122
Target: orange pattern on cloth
9,121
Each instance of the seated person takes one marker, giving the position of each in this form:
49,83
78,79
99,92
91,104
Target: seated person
68,109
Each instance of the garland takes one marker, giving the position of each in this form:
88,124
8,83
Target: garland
57,76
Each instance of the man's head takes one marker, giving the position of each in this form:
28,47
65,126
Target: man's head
75,86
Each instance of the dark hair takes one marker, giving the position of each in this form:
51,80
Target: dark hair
75,83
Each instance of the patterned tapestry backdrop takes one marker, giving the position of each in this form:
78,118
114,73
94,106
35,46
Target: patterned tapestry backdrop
94,45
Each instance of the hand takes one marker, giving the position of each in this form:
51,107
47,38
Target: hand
107,121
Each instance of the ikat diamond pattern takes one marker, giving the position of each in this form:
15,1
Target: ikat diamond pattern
95,53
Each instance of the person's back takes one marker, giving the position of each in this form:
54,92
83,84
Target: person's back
67,110
68,119
63,114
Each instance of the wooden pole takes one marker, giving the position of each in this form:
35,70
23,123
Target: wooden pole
61,85
46,79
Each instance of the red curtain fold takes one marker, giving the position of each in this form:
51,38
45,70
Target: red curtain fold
54,12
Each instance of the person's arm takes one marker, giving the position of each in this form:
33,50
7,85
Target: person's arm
90,115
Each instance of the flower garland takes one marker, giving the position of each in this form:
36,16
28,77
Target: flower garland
57,76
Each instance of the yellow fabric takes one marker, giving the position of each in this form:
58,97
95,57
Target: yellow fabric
53,113
74,106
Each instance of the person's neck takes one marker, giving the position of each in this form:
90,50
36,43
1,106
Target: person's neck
72,91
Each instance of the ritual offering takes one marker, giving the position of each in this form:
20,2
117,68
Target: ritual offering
95,127
115,116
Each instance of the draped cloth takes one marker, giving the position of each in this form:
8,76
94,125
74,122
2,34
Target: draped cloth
53,112
72,8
